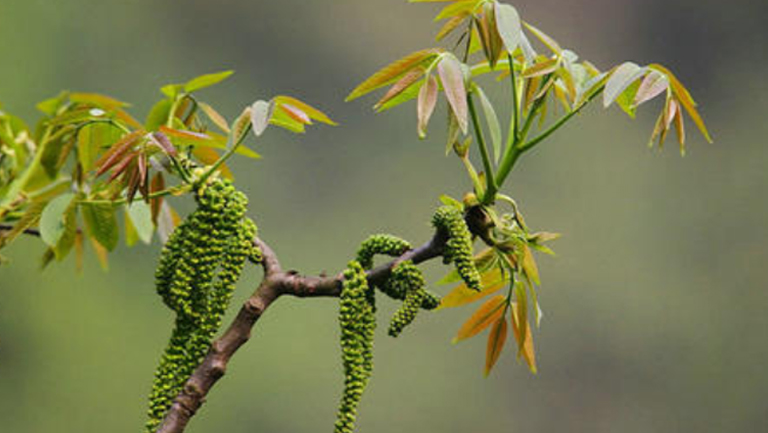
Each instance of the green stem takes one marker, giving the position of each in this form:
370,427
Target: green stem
490,192
175,190
225,156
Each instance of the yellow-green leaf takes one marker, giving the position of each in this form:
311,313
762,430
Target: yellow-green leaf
311,111
101,223
392,72
403,83
206,80
491,281
524,341
215,117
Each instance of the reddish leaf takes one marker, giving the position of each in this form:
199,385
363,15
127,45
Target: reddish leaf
157,184
411,77
452,78
161,140
392,72
524,342
311,111
113,155
426,104
296,114
652,86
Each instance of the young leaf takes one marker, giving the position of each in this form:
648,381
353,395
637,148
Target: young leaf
543,67
529,265
685,100
140,215
158,115
392,72
204,81
101,223
52,220
215,117
312,112
209,156
496,339
546,40
653,85
295,114
487,314
450,26
458,8
492,282
509,27
524,338
102,254
426,104
67,240
452,78
411,77
116,152
621,78
241,125
493,123
261,113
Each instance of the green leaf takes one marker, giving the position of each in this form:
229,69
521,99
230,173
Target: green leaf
140,216
283,120
52,220
311,111
67,240
207,80
493,123
158,115
458,8
101,223
508,24
392,72
261,114
621,78
91,140
627,98
452,78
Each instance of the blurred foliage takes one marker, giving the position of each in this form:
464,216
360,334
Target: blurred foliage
654,317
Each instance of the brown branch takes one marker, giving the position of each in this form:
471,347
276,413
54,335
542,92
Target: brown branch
275,283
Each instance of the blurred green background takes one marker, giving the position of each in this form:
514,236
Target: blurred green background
655,305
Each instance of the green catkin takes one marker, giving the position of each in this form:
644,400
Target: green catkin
380,244
459,250
408,281
196,276
358,323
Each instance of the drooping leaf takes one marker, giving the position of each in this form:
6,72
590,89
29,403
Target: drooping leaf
158,115
626,99
496,339
452,78
261,113
685,100
206,80
492,281
653,85
486,315
101,223
426,104
101,253
509,26
545,39
52,219
450,26
116,152
621,78
140,216
524,338
392,72
529,265
494,127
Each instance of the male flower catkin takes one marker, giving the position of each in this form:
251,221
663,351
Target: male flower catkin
196,275
458,249
358,323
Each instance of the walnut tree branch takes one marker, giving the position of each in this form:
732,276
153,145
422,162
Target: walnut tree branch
31,232
275,283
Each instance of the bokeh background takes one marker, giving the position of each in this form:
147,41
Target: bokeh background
655,305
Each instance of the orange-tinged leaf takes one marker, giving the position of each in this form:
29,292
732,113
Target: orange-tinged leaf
450,26
215,117
529,265
208,156
101,253
403,83
680,128
524,343
392,72
79,252
545,39
295,114
541,68
491,281
685,100
311,111
496,339
186,136
426,104
452,79
458,8
112,156
488,313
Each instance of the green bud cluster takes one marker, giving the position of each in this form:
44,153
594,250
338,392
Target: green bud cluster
407,283
358,322
459,250
381,244
196,276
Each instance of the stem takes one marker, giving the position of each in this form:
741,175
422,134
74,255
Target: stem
180,189
562,121
225,156
490,192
